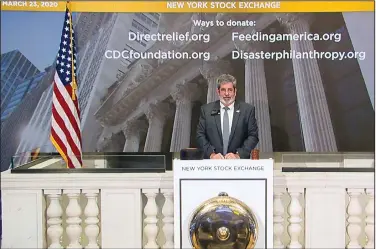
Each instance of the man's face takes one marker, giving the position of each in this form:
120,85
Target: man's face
227,93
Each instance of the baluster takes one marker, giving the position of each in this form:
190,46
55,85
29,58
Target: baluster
91,212
354,211
54,221
168,220
151,211
295,210
370,223
73,212
279,211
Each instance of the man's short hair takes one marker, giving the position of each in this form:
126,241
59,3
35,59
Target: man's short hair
225,78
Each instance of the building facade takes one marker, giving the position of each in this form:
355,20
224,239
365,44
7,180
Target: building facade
302,105
36,134
15,68
108,33
97,74
20,92
153,104
15,126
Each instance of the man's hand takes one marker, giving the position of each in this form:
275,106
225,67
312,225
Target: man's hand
216,156
232,156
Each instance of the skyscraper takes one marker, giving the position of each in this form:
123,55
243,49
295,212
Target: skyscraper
97,73
15,68
22,89
13,127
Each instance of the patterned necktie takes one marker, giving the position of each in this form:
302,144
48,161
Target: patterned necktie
226,130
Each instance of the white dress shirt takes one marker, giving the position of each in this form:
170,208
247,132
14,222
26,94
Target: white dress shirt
230,115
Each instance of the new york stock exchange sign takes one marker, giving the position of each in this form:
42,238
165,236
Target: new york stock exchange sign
223,203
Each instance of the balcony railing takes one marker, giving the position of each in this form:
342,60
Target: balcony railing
135,210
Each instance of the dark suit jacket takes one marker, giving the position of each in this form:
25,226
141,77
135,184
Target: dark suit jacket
244,131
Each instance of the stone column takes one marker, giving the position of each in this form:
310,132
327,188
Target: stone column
184,94
313,107
104,139
211,70
104,146
256,93
195,29
116,144
157,114
132,131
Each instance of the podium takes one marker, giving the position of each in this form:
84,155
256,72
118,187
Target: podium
248,181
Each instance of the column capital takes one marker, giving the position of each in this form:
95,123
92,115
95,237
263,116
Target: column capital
140,72
209,16
134,127
158,110
215,67
103,143
117,141
105,137
225,16
291,19
186,91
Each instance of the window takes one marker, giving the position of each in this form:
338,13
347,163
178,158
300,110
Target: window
119,74
23,84
143,43
39,78
146,19
140,27
30,72
34,84
155,15
14,103
125,62
130,48
15,60
132,30
20,90
25,65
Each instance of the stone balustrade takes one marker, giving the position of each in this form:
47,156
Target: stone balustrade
106,210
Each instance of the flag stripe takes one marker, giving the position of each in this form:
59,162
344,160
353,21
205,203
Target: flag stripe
59,145
62,131
66,93
60,118
64,107
63,150
60,111
66,147
65,120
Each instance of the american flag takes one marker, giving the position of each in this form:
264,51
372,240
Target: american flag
65,121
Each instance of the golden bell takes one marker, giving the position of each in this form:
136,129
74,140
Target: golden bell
223,222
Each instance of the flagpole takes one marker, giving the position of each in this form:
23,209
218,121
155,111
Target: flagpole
74,83
67,140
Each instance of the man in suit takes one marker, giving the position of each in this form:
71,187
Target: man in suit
227,128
